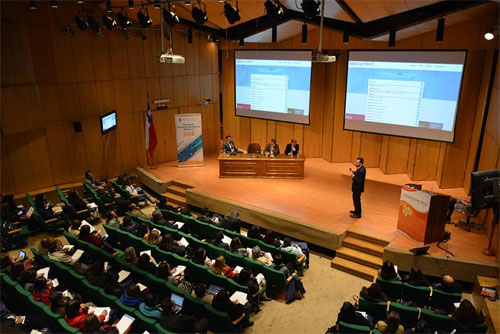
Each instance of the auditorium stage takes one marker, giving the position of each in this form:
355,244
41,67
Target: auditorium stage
316,208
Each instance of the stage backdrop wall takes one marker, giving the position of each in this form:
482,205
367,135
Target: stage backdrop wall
50,80
448,164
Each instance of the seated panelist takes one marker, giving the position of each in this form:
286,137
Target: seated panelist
292,149
229,147
272,148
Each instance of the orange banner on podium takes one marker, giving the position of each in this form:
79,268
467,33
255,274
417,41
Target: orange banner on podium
413,212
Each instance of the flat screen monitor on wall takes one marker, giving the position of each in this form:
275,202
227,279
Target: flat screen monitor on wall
404,93
273,84
108,122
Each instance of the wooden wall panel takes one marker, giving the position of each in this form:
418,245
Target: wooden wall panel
180,92
179,48
151,51
87,96
20,163
258,128
83,57
94,143
112,154
135,57
192,64
313,132
69,101
138,94
49,102
101,59
7,185
370,149
58,152
397,155
384,153
193,90
118,55
167,91
341,143
329,110
62,47
123,102
298,133
426,160
284,133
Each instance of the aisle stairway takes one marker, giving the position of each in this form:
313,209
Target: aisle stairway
176,192
360,254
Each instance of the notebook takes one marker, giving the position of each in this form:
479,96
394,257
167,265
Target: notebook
178,301
213,289
122,275
123,326
78,253
240,297
237,269
178,270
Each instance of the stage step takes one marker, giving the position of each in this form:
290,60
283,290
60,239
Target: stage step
365,259
375,238
182,184
177,190
363,246
176,199
353,268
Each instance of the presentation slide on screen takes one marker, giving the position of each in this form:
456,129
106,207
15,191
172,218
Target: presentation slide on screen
108,122
273,85
404,93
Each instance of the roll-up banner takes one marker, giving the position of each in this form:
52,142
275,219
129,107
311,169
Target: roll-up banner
189,140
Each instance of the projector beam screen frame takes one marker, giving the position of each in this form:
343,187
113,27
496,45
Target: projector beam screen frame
309,58
396,127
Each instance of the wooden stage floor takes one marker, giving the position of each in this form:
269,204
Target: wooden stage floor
323,198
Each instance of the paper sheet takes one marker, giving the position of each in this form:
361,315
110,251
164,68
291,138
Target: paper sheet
122,275
259,278
179,225
178,270
239,296
141,287
55,283
237,269
43,272
124,324
226,240
76,256
184,242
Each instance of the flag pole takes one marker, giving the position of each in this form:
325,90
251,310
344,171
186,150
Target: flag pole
152,166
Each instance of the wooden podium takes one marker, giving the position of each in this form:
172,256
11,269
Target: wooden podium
422,215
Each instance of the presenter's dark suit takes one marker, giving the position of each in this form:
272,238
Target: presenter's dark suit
229,147
288,149
358,186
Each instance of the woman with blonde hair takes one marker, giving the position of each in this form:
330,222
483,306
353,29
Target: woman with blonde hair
153,237
220,268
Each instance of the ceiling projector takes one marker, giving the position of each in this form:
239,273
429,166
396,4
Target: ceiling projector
170,58
324,58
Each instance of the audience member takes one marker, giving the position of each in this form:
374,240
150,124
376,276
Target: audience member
222,302
164,271
42,290
220,268
157,218
112,219
92,325
163,205
145,264
112,287
168,244
179,323
232,222
84,263
373,294
237,247
76,201
130,255
149,307
466,317
205,216
97,274
416,277
349,315
200,292
200,257
94,238
57,253
391,324
90,180
130,296
260,256
153,237
45,244
279,265
74,228
58,302
128,224
28,279
46,210
219,236
136,192
289,247
246,278
76,314
254,233
388,272
448,285
271,239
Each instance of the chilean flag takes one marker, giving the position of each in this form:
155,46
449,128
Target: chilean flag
150,132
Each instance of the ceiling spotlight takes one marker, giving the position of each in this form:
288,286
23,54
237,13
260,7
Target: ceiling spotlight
32,4
81,23
190,35
214,38
170,17
274,10
392,38
199,15
94,25
109,22
80,1
123,20
69,31
232,14
440,30
108,6
187,3
157,4
304,34
310,8
53,3
131,4
144,19
489,35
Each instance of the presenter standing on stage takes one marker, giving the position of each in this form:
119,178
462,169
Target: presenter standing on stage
358,186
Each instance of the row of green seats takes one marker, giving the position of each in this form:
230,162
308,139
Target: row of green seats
347,328
201,273
208,231
422,295
275,278
123,192
78,283
410,315
15,235
35,308
218,320
51,224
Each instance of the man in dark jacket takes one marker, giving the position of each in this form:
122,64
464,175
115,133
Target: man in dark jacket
180,323
358,186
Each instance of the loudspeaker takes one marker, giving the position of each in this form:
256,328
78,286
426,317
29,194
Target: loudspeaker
77,126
